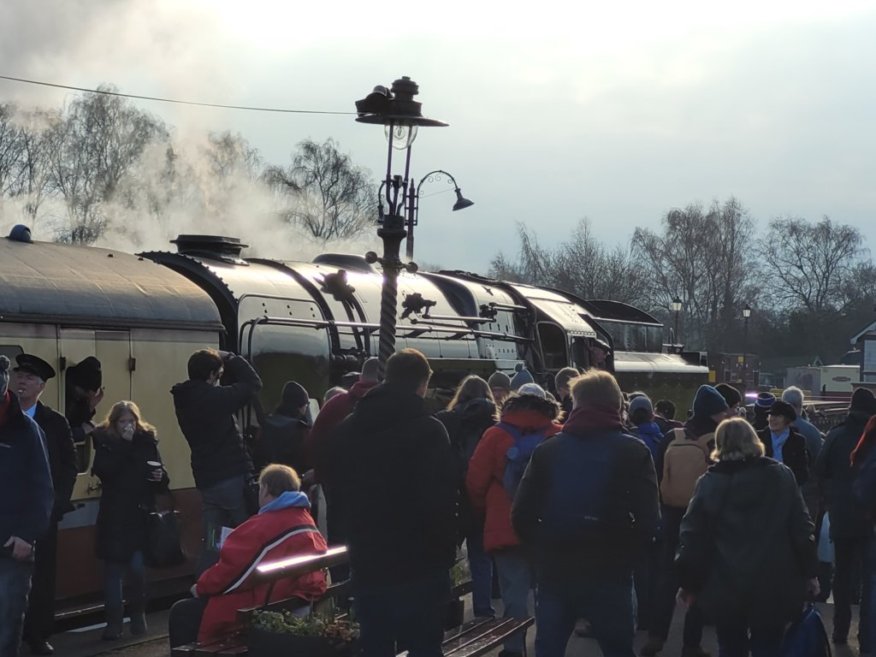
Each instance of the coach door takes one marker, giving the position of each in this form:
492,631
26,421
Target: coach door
113,350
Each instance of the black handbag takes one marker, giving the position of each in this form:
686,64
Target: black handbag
163,540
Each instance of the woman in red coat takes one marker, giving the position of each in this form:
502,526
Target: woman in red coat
282,528
528,413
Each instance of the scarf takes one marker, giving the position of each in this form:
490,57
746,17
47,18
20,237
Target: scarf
593,417
779,441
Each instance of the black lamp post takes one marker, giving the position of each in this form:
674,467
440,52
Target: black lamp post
746,313
400,114
676,308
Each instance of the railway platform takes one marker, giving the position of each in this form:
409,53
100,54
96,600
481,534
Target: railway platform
85,642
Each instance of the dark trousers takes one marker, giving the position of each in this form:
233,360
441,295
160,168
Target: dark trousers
40,619
667,587
408,615
645,578
185,621
14,587
736,639
851,570
605,599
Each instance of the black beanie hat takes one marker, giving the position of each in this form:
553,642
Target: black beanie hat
863,401
295,395
783,408
729,393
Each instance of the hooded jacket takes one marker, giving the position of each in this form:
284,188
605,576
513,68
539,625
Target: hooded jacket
588,501
486,469
848,518
330,416
26,503
206,416
282,529
748,522
394,481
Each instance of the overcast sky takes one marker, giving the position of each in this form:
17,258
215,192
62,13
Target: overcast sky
616,111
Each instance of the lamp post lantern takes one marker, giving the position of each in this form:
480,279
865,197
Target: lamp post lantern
676,308
414,207
746,313
401,116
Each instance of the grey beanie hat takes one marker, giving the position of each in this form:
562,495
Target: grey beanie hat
4,375
499,380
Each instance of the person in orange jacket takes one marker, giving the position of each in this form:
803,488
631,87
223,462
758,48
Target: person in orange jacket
282,528
527,417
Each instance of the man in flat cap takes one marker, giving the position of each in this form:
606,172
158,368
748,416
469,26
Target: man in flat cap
29,382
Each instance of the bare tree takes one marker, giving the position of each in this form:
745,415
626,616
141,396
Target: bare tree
812,262
582,265
11,151
327,193
704,258
90,151
230,154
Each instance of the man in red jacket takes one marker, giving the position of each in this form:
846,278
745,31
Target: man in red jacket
282,528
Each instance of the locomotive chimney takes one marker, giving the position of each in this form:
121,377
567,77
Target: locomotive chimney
217,247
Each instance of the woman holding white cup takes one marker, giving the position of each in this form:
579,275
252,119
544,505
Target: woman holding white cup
127,461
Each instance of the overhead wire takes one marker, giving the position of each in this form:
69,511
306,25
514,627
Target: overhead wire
107,92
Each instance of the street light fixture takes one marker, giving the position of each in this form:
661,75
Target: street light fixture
414,208
676,308
401,116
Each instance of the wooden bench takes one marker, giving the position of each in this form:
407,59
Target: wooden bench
472,639
270,573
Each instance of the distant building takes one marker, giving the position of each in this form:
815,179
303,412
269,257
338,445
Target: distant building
865,343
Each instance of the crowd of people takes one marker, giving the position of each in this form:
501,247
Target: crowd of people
597,505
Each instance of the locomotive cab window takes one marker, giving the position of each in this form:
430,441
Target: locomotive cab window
553,345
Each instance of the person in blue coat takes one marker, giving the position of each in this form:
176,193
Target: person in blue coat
26,501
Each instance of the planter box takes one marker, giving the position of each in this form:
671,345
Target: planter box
262,643
455,614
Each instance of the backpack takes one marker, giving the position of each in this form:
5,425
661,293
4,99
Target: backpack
806,636
518,455
685,460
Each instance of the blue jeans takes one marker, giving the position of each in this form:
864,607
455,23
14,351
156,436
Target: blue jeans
736,639
114,579
402,616
224,505
14,587
605,599
515,582
481,567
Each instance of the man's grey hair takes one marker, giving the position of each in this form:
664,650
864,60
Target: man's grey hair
794,397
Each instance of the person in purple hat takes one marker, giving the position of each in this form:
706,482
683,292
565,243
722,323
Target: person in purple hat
762,406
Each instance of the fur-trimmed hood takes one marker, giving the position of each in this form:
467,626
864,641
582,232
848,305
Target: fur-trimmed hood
520,403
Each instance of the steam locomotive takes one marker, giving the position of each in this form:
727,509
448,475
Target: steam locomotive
143,315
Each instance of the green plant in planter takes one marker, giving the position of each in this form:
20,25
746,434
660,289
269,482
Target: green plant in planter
460,574
335,630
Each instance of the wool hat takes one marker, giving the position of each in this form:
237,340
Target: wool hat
729,393
4,375
784,409
532,389
295,395
708,402
86,374
765,400
34,365
639,403
522,376
499,380
863,401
